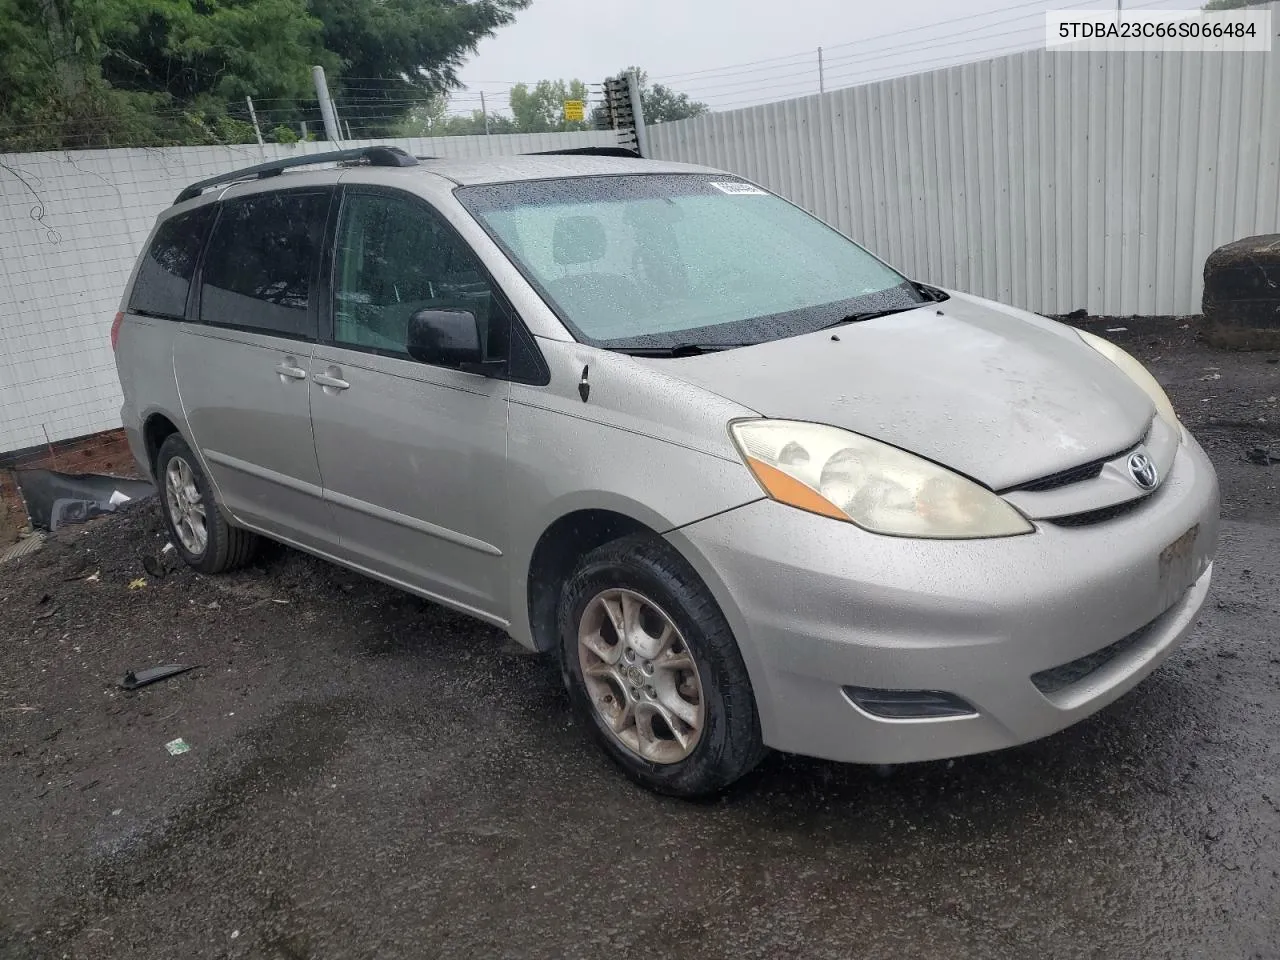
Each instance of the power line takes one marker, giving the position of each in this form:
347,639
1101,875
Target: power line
808,69
848,43
830,74
794,88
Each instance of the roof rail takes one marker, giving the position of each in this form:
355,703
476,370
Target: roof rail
376,157
588,152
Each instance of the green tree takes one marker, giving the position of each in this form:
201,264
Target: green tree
125,72
541,109
473,124
1230,4
397,52
432,119
661,104
51,90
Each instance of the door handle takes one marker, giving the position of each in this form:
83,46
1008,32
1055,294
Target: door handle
330,380
289,370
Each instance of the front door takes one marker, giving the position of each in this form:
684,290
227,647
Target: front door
244,371
412,456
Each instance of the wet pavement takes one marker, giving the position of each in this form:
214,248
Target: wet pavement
373,776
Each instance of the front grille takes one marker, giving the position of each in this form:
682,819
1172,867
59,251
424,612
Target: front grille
1056,679
1086,471
1102,515
1063,478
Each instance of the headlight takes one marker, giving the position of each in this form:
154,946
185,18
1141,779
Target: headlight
880,488
1138,374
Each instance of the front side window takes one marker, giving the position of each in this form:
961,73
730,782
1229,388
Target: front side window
164,278
395,257
262,254
660,260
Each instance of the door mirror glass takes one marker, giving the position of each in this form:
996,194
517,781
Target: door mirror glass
449,338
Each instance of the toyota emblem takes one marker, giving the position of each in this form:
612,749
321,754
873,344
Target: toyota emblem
1143,471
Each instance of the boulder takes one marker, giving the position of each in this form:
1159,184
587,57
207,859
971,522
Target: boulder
1242,294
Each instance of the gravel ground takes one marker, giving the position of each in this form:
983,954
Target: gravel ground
373,776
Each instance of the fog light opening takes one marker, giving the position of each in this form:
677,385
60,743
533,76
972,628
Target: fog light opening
909,704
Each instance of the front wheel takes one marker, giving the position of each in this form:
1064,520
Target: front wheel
652,667
200,532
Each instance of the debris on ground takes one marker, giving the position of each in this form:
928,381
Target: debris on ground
138,584
141,678
1261,456
24,547
176,747
56,499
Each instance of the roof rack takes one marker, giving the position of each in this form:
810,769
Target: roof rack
589,152
375,156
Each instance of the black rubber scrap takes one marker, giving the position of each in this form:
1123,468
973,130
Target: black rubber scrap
1261,456
140,678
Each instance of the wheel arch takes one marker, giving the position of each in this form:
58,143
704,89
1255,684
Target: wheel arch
157,427
556,553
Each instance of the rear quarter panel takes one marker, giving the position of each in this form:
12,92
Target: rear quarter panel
144,362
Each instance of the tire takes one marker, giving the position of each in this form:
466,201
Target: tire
623,576
224,547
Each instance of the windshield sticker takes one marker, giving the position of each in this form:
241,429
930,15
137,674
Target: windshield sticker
740,189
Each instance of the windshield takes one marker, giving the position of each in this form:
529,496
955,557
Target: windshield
666,260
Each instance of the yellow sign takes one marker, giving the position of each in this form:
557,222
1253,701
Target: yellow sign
575,110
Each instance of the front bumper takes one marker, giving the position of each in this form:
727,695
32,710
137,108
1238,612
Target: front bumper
817,605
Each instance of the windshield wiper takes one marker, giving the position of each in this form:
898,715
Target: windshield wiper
869,315
678,350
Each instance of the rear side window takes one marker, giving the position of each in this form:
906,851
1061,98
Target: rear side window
261,261
164,278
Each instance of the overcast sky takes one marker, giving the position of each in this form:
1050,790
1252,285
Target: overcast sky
707,47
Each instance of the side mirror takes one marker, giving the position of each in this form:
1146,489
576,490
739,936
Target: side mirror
449,338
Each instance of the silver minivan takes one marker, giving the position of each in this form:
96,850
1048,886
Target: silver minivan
752,486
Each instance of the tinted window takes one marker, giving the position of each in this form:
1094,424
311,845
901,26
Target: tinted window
395,257
257,273
164,277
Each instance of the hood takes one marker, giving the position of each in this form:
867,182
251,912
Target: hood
1002,396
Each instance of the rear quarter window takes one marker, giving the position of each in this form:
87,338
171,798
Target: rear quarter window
260,268
164,278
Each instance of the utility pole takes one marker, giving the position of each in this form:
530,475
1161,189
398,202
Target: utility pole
484,110
822,85
257,131
637,113
331,131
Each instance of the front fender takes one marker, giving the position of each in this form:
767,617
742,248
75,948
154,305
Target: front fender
598,466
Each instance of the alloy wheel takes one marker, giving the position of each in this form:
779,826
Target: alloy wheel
640,675
186,506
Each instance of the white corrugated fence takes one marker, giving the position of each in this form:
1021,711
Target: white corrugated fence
1050,180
